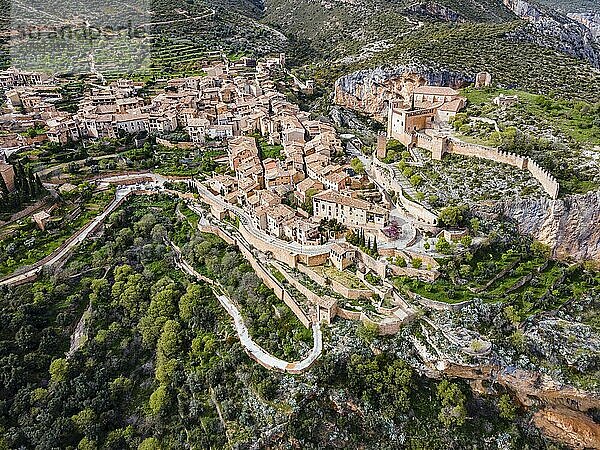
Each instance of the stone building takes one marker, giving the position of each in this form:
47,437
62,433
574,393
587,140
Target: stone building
483,79
8,175
349,211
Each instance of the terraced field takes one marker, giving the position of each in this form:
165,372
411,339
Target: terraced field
140,38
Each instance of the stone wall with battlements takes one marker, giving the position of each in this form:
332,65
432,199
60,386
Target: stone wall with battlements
439,145
384,178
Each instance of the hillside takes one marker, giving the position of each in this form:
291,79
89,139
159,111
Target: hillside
568,6
171,39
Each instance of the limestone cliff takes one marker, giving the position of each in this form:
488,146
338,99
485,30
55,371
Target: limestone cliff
570,226
556,31
590,20
575,429
369,91
436,11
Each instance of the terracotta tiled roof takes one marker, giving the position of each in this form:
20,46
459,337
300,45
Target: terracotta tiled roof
435,90
340,199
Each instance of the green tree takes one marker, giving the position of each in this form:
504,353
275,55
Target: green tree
85,444
416,180
59,369
367,331
169,340
358,166
540,250
162,307
475,224
453,412
159,400
84,420
150,444
443,246
189,302
466,241
451,216
507,408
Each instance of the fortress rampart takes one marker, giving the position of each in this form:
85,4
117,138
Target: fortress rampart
385,179
439,145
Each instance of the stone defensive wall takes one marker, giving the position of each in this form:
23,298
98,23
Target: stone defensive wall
548,182
385,179
479,151
438,145
266,276
337,287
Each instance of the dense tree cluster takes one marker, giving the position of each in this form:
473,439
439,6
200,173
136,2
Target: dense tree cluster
158,364
28,187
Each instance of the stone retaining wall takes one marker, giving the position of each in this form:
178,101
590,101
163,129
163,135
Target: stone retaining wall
326,304
388,326
265,275
438,306
337,287
385,179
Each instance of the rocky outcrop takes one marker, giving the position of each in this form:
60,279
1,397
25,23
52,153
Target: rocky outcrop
370,91
559,32
589,20
575,429
436,11
570,226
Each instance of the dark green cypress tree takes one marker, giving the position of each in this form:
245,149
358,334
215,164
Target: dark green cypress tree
3,188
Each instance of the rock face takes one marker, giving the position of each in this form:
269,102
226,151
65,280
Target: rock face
570,226
369,91
575,429
590,20
436,11
559,32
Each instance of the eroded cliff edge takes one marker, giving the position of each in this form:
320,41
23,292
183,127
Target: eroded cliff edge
369,91
570,226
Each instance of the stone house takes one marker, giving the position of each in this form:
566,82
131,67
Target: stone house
304,187
302,231
8,175
277,216
342,255
349,211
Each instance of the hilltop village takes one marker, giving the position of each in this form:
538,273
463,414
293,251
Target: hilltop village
319,210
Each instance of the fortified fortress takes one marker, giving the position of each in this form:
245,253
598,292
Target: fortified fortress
420,124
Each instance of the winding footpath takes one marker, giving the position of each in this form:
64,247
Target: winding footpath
254,350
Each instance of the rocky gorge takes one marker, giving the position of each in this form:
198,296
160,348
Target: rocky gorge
556,31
